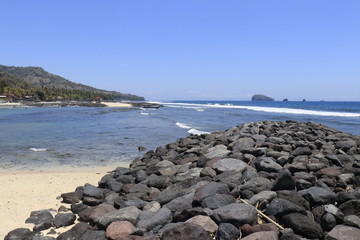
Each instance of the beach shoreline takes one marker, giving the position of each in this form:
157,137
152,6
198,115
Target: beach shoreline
31,190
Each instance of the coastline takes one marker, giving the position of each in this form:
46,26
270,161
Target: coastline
26,191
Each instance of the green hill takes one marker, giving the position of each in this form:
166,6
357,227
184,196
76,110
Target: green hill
37,78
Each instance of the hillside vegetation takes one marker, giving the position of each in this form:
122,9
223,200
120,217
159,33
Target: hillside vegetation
34,83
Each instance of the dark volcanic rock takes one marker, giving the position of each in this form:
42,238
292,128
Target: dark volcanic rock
186,231
20,234
341,232
161,217
129,214
208,190
318,195
227,231
283,181
280,207
303,225
236,214
37,217
64,219
217,200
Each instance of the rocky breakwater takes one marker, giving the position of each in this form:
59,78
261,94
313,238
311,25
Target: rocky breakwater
262,180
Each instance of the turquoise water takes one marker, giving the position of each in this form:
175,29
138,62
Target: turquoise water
45,137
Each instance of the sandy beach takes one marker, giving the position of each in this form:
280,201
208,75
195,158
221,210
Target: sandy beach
25,191
117,104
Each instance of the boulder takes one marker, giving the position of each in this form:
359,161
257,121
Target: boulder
236,214
186,231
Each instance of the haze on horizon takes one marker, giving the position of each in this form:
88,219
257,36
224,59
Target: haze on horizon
191,50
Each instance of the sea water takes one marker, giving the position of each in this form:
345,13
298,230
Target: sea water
37,138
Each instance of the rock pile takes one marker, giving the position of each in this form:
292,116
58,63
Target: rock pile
261,180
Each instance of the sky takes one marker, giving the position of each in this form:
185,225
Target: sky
191,49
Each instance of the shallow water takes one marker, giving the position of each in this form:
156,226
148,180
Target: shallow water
43,137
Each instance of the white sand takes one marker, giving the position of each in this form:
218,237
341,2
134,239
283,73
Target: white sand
116,104
25,191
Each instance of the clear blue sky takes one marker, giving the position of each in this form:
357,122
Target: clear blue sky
191,49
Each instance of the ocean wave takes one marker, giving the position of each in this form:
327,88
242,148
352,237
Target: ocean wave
146,114
182,125
266,109
197,132
39,149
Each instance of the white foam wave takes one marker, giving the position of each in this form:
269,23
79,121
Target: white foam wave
266,109
197,132
146,114
182,125
38,149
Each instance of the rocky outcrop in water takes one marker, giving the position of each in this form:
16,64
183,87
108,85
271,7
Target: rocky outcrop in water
259,97
261,180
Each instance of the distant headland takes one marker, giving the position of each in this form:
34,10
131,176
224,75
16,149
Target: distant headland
35,84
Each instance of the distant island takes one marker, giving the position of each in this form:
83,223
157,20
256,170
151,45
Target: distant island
259,97
36,84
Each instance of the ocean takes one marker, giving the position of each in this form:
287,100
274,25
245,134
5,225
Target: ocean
37,138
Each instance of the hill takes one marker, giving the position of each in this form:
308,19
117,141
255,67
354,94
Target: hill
38,78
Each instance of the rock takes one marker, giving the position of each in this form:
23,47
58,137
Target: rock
265,235
205,222
328,222
303,225
267,164
236,214
161,217
100,211
152,206
351,207
227,164
41,237
293,197
118,229
64,219
93,235
230,178
346,145
337,213
259,97
243,144
92,191
217,200
129,214
72,197
279,207
318,195
329,171
75,232
42,216
217,151
262,196
257,185
20,234
246,229
227,231
283,181
186,231
352,220
342,232
208,190
181,203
